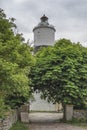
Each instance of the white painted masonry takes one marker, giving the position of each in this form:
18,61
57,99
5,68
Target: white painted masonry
47,34
41,105
44,35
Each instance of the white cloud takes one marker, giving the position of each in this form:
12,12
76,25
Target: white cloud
68,16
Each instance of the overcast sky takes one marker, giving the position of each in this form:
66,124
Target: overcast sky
68,16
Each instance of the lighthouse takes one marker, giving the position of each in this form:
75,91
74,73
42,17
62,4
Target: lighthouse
44,33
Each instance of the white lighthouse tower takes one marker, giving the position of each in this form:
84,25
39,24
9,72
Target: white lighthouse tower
44,33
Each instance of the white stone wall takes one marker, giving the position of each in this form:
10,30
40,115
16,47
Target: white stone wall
41,105
44,36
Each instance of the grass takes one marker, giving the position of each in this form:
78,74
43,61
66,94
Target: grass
19,126
80,122
83,125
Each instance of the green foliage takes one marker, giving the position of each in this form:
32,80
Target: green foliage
15,63
78,122
3,108
19,126
82,122
60,73
82,106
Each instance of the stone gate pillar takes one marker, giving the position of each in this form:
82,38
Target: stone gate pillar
68,112
24,113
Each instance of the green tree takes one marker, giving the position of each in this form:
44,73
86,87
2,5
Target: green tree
60,73
15,63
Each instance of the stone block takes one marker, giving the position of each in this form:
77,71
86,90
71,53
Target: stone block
69,112
24,108
25,117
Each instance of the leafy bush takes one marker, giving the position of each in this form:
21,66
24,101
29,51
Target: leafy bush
15,63
82,106
3,108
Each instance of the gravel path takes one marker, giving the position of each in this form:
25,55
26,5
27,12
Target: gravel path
53,126
49,121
